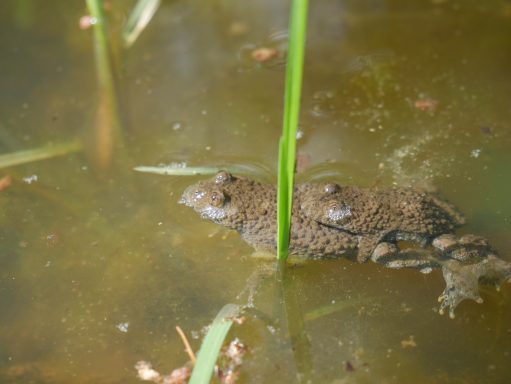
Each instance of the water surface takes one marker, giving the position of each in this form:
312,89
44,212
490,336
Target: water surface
98,267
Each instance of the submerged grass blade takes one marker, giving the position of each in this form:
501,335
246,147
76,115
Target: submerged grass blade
208,353
287,144
138,19
47,152
177,170
180,169
333,308
108,123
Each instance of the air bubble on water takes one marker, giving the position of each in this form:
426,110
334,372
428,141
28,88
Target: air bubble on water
123,327
177,125
30,179
475,153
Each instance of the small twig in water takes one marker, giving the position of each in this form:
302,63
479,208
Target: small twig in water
188,348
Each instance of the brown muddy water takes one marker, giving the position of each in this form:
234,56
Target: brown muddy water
98,268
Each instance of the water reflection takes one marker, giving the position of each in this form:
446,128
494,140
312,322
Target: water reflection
83,254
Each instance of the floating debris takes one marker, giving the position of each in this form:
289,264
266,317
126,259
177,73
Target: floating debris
87,21
147,373
263,54
30,179
475,153
348,366
5,182
230,359
426,104
123,327
409,343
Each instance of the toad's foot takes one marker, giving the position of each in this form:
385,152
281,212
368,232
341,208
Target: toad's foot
389,255
462,280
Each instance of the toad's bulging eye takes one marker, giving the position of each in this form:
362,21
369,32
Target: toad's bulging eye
222,177
217,199
331,188
338,212
333,206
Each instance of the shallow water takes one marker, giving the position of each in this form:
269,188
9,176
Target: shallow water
98,267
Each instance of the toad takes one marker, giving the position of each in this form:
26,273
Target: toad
332,221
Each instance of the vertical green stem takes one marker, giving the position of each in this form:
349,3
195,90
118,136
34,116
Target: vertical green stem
108,121
210,348
287,143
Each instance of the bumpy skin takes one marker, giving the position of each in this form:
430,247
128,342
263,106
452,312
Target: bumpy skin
379,215
250,208
330,221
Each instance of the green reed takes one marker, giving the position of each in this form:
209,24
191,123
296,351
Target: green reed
107,123
139,18
212,343
287,143
36,154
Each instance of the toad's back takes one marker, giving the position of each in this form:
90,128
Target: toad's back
371,210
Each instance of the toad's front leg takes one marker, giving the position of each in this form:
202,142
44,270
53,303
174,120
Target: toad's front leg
391,256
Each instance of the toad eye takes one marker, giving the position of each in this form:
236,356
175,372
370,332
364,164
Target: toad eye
337,212
217,199
333,206
331,188
222,177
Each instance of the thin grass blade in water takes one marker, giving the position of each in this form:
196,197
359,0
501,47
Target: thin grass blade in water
181,169
108,123
287,144
30,155
177,169
336,307
210,348
138,20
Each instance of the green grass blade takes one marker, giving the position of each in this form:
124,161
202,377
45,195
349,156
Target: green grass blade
107,127
104,65
333,308
47,152
177,170
210,348
138,19
287,144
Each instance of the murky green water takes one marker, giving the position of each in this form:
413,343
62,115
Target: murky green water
97,269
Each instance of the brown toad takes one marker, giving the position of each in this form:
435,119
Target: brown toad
331,221
380,217
250,208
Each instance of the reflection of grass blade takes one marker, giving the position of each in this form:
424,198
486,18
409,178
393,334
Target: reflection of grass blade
138,19
29,155
212,343
332,308
294,320
107,123
24,13
287,144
